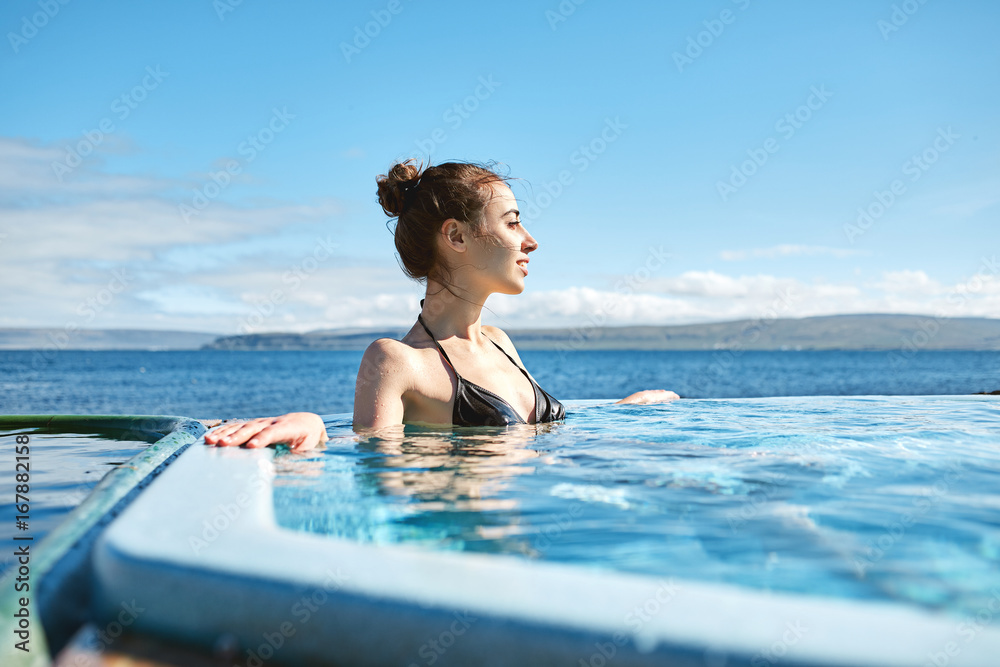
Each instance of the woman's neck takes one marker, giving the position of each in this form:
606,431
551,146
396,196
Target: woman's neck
451,312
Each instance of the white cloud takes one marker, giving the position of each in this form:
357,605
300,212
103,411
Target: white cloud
709,296
376,311
64,244
966,209
26,172
113,252
713,285
190,300
909,282
963,201
789,250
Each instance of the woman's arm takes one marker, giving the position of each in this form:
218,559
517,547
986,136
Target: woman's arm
378,402
382,380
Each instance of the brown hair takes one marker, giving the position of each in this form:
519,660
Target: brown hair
421,199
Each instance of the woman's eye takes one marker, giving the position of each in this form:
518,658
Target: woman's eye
513,224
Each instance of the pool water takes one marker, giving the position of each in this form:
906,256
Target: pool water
64,469
874,498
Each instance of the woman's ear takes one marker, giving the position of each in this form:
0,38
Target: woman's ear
455,234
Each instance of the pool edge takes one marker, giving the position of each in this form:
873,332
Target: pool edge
227,568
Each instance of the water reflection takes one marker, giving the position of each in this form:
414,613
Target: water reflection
461,469
452,486
297,469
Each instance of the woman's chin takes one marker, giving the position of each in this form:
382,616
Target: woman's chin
512,289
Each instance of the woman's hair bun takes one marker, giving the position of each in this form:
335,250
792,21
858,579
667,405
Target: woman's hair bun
422,199
393,187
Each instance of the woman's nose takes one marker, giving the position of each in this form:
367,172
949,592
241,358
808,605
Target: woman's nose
529,244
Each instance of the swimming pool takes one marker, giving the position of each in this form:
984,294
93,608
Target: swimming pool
892,499
716,532
66,468
68,492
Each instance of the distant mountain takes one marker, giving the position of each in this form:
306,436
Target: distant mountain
102,339
313,340
835,332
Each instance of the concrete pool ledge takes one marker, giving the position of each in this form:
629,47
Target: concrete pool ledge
198,557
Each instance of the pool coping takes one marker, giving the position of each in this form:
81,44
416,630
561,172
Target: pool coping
201,555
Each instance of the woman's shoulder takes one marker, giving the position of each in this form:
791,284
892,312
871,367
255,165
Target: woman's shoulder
389,364
502,339
497,334
406,354
388,351
401,367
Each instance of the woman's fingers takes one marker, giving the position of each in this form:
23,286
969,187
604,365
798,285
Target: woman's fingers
300,430
248,432
224,430
232,435
306,430
649,396
273,433
663,395
216,434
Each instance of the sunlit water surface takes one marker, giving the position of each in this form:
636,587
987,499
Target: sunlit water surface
63,468
881,498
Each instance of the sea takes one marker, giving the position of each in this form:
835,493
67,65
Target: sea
231,384
222,384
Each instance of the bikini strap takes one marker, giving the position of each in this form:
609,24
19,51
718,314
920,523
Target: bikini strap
516,365
445,354
539,394
436,344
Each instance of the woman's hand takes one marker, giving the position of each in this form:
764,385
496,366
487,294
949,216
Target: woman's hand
300,430
649,396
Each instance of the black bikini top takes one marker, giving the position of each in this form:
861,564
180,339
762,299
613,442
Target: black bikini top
476,406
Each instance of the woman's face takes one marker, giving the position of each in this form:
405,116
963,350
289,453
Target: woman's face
500,252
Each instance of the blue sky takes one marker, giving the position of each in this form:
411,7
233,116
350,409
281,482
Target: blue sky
210,166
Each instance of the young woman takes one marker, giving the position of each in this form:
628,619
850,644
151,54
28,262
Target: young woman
459,231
